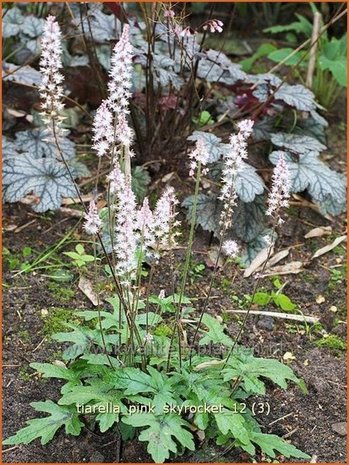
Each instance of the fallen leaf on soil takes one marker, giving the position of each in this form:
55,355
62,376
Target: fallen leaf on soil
258,261
85,286
288,357
289,268
277,258
320,299
59,363
319,232
167,177
10,227
329,247
70,201
71,212
284,316
211,363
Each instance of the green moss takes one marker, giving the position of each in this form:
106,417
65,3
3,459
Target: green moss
61,292
55,320
24,373
24,336
332,342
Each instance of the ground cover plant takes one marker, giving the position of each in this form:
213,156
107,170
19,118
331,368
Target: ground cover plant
151,365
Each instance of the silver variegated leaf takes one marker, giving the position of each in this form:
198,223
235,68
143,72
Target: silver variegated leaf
296,96
266,78
32,26
310,173
104,27
21,74
8,148
213,144
45,178
248,183
38,142
12,21
296,143
207,211
248,219
332,207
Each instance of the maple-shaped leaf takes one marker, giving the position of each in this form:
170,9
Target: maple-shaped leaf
46,427
251,369
45,178
269,443
161,433
232,422
215,332
134,381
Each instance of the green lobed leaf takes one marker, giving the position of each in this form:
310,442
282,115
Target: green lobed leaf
269,443
215,332
45,428
161,432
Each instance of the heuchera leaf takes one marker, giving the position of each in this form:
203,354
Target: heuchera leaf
248,183
296,96
296,143
310,173
48,180
45,428
32,26
255,246
25,75
213,144
103,26
248,219
39,144
207,211
11,22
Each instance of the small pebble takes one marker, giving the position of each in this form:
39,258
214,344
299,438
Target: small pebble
266,322
340,428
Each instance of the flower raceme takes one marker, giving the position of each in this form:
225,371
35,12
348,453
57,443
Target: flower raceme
51,89
120,84
280,191
152,232
199,155
103,132
233,158
157,228
93,222
110,123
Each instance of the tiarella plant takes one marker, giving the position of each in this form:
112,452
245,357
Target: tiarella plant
124,369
